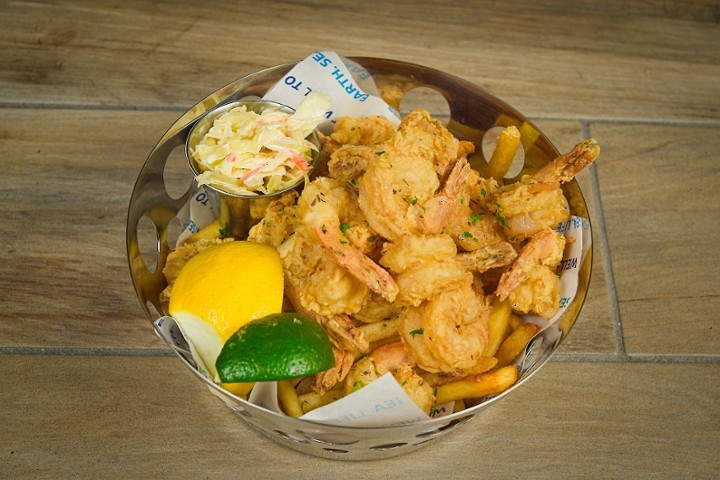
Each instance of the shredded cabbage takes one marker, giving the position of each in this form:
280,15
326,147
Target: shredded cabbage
249,153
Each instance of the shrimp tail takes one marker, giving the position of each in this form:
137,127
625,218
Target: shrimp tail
565,167
542,249
437,211
359,265
324,381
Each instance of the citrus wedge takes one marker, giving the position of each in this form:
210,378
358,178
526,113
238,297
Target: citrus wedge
276,347
222,288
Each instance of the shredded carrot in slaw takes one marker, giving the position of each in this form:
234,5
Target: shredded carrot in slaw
251,153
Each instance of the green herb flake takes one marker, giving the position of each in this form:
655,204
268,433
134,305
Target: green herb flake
474,217
225,231
417,331
410,199
358,385
380,152
344,227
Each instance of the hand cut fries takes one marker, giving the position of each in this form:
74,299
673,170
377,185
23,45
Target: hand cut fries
289,398
498,324
374,332
478,386
212,230
515,343
514,322
505,150
312,400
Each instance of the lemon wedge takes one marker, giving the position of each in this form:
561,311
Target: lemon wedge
221,289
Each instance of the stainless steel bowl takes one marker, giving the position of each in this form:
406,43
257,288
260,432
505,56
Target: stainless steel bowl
472,112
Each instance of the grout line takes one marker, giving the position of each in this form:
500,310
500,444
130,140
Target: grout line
604,247
630,121
634,358
179,108
166,352
88,351
77,106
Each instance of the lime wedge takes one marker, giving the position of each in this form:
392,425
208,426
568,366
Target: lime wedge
275,347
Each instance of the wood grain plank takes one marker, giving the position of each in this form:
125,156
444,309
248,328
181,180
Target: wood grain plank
92,415
65,279
626,60
660,192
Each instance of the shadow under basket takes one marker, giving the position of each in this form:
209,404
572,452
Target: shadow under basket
469,112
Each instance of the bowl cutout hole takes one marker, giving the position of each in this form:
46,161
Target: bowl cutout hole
429,99
177,174
173,231
148,243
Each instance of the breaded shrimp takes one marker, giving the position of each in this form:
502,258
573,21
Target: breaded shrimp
401,192
531,283
537,202
447,333
391,358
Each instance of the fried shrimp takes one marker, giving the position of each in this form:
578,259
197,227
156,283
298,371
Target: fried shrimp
531,283
314,282
448,332
278,222
424,265
328,208
359,131
537,201
400,192
391,358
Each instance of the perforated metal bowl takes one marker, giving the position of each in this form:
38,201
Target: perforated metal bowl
471,112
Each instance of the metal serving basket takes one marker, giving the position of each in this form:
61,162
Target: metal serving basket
470,113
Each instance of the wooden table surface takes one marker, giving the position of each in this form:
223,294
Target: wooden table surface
88,87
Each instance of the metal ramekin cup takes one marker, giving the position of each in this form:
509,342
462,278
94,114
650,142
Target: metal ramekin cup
205,122
473,111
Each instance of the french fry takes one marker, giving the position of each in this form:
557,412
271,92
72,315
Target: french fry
505,149
514,321
483,364
528,135
478,386
210,231
499,314
515,343
312,400
289,398
380,330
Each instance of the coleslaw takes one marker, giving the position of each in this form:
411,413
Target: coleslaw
250,153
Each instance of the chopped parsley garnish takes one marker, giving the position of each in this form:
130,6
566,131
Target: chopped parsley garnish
224,231
417,331
411,200
344,227
474,217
